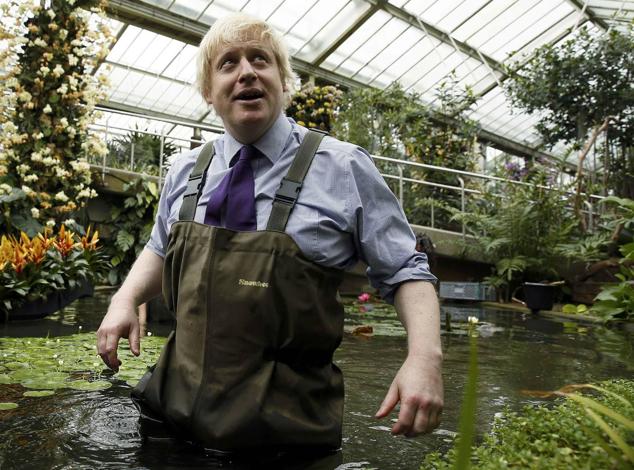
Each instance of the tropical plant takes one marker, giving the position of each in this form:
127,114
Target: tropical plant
580,86
140,151
33,268
616,301
132,225
315,106
48,90
520,227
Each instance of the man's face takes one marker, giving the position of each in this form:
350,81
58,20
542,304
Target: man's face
246,89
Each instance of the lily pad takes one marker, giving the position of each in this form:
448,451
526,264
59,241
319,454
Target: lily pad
89,386
49,363
38,393
45,381
8,406
16,365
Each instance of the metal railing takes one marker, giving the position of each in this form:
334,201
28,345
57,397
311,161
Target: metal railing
461,189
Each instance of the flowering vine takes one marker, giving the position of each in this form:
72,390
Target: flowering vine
49,90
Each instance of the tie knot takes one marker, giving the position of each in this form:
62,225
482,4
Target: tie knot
248,152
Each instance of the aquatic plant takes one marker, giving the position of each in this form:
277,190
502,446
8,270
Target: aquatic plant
33,268
567,435
466,426
49,364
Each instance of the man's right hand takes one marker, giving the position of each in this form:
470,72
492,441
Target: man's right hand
120,322
142,283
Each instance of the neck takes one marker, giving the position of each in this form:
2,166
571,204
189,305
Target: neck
249,134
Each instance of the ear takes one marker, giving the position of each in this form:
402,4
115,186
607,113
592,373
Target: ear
207,97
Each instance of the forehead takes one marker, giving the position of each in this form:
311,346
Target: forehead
240,47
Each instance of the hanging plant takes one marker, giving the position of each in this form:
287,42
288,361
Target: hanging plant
49,91
315,106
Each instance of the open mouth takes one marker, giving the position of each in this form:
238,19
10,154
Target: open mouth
249,95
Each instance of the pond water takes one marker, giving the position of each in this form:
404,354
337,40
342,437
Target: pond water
98,429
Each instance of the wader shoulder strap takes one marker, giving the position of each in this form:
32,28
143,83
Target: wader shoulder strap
196,182
289,189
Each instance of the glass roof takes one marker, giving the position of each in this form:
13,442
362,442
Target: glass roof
415,42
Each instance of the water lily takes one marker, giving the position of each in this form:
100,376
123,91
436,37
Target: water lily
364,297
472,320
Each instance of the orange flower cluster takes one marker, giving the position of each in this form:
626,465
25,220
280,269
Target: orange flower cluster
17,253
65,242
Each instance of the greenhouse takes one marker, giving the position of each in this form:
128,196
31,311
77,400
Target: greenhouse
320,234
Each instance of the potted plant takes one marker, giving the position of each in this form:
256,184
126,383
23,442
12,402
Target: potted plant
43,274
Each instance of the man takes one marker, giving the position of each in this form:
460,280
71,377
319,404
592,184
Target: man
257,320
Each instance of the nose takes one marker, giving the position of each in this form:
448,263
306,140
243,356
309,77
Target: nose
247,72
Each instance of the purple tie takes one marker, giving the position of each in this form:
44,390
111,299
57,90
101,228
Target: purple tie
236,193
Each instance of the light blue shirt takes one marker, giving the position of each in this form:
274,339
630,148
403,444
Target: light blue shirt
345,211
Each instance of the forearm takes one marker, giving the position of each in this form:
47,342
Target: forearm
416,303
143,281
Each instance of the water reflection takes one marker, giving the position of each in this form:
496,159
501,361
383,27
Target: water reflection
73,429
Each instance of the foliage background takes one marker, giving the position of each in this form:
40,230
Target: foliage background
575,86
394,123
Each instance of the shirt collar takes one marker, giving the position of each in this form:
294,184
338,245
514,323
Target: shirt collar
271,144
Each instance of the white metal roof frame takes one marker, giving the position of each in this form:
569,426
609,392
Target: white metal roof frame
355,43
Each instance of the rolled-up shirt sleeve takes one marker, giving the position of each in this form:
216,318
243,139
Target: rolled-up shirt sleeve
383,237
160,231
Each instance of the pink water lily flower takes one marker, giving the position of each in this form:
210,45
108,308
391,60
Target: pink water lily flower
364,297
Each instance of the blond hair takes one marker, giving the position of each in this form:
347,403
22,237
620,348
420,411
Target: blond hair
244,29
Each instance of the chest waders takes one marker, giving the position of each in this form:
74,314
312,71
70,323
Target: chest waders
249,364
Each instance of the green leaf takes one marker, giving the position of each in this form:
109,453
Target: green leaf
38,393
466,426
86,385
125,240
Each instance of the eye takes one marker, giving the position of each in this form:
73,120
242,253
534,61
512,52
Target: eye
260,58
226,62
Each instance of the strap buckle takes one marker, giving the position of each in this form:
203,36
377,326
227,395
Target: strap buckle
193,186
320,131
288,191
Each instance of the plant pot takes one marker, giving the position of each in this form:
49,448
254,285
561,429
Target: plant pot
539,296
52,303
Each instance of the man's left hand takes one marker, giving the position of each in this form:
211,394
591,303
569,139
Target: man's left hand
418,387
